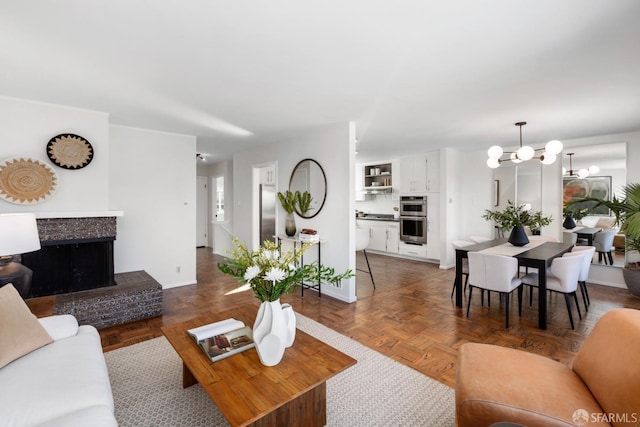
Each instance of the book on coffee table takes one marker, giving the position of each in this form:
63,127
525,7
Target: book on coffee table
222,339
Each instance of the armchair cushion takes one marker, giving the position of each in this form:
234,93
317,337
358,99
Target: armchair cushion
527,388
20,331
607,361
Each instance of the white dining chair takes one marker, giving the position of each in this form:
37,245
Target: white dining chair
495,273
587,252
465,263
562,277
603,242
363,235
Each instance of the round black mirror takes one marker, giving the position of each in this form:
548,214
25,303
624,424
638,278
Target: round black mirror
308,177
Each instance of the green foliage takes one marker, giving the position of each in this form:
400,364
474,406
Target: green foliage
288,201
574,212
514,216
304,201
271,273
626,210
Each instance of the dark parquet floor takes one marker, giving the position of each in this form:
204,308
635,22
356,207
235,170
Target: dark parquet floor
410,317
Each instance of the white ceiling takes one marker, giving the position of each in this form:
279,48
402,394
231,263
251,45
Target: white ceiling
413,74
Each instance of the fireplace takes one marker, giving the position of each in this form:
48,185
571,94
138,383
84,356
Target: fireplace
76,254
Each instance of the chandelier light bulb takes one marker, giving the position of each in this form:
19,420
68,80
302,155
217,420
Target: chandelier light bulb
515,159
593,169
493,163
495,152
547,158
553,147
526,153
583,173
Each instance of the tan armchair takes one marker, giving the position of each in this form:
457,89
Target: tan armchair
602,388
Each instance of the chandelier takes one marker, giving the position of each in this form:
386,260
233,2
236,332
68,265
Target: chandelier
524,153
581,173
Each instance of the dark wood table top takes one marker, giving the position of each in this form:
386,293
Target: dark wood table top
241,387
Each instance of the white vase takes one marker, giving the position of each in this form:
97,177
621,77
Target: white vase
273,331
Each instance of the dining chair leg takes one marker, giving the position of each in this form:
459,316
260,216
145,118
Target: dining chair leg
568,302
469,300
506,308
610,258
575,296
586,292
583,291
520,301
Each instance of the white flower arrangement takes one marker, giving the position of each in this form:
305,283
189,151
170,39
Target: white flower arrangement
271,274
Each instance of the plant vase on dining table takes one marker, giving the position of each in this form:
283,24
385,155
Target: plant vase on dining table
515,218
270,274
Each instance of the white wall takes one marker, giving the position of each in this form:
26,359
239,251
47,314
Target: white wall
332,147
25,129
158,196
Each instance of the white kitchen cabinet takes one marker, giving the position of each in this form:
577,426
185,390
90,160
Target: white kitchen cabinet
413,175
412,250
433,226
433,172
384,236
393,237
268,175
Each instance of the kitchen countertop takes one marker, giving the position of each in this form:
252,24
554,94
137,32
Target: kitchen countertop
378,217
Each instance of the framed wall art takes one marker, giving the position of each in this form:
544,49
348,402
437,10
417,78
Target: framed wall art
593,186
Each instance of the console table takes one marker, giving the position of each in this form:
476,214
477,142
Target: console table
296,240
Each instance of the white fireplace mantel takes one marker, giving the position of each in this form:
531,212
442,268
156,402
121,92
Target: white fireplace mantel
78,214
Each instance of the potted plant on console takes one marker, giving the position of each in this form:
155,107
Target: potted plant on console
571,215
288,200
515,218
627,212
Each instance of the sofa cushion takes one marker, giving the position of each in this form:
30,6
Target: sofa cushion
608,362
60,326
20,331
66,376
496,384
606,223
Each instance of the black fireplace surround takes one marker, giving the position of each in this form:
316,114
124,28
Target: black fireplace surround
76,255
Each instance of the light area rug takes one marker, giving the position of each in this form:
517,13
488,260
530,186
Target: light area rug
377,391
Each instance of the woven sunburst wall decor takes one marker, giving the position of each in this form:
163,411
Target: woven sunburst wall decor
70,151
26,181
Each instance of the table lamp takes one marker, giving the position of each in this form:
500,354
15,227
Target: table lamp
18,235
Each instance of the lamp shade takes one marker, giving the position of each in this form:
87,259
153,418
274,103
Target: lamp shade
18,234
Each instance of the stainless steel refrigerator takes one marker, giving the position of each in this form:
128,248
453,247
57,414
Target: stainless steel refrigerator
267,213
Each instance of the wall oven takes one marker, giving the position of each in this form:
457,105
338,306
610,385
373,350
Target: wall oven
413,206
413,229
413,219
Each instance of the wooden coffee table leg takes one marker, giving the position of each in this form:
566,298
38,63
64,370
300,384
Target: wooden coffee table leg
187,377
308,409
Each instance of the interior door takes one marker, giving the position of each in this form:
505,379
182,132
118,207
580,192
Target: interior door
202,210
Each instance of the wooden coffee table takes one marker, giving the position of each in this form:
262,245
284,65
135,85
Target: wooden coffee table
249,393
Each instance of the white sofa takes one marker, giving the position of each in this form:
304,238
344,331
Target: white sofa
62,384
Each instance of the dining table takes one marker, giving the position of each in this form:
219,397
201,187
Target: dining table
538,255
587,233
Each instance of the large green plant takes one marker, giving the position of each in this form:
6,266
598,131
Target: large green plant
304,201
288,200
517,216
626,210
